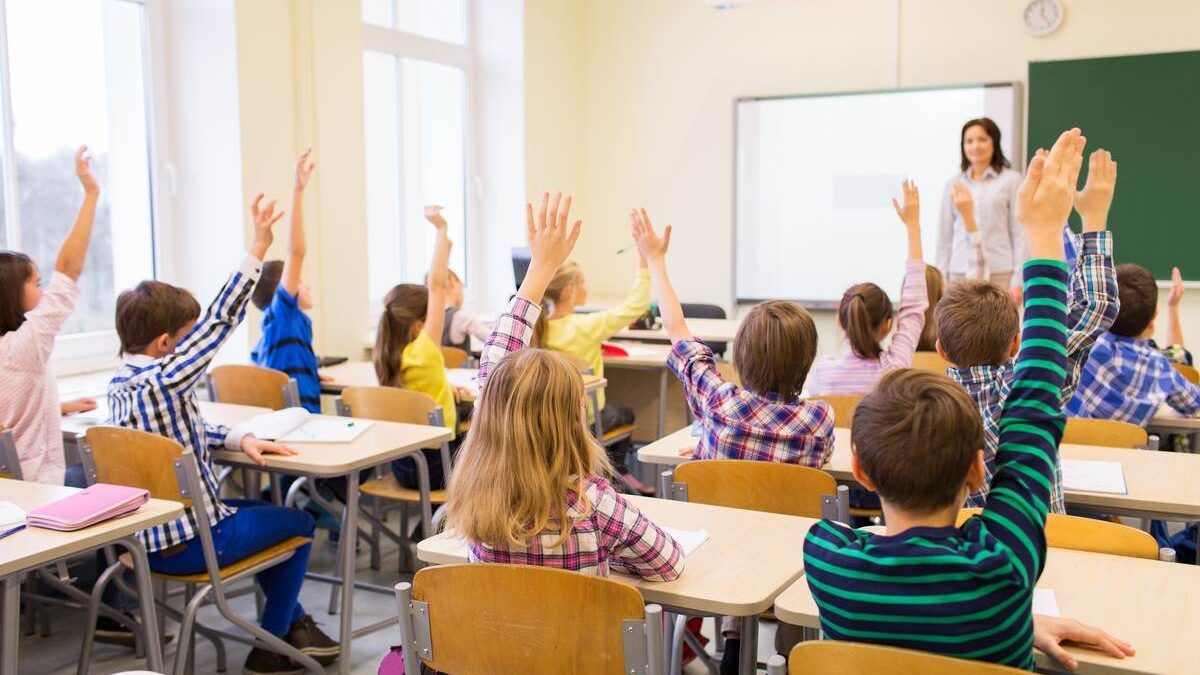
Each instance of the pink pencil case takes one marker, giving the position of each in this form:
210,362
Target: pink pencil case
93,505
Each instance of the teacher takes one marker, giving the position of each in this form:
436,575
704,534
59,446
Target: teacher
978,233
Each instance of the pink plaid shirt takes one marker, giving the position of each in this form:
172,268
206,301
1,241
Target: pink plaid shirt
607,532
738,423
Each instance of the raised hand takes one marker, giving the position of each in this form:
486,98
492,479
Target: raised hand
265,218
650,246
433,213
1094,200
964,203
256,448
551,241
83,171
1176,295
1045,197
304,170
910,210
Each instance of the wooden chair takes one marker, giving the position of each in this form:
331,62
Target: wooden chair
1110,433
833,657
455,357
393,404
1189,372
758,486
519,619
10,461
931,361
251,385
161,466
843,408
1088,534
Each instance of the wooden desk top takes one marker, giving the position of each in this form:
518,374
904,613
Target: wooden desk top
1157,482
711,330
362,374
1153,605
641,355
749,558
34,546
1176,424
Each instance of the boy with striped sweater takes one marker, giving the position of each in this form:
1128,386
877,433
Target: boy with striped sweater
960,591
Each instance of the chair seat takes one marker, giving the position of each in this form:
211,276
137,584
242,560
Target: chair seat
616,433
279,550
389,488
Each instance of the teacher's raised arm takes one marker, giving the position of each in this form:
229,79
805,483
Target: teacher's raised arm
976,239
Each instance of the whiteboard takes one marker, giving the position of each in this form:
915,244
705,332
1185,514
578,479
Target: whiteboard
815,176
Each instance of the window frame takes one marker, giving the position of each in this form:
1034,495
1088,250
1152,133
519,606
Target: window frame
403,44
94,350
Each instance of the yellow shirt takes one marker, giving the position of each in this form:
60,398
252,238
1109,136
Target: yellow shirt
424,370
581,334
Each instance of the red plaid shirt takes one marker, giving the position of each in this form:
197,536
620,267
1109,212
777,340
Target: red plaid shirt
607,532
738,423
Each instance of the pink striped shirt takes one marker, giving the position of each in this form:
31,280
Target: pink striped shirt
850,375
29,404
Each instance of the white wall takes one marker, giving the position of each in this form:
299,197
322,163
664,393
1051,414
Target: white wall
630,102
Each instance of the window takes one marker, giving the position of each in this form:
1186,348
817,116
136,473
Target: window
76,73
416,81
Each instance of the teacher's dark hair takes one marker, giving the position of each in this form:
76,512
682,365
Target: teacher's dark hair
999,163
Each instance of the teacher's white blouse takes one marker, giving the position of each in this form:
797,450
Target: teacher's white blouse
999,245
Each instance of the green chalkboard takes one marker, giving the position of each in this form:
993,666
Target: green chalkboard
1145,110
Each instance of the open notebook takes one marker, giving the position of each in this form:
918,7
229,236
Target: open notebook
12,518
297,425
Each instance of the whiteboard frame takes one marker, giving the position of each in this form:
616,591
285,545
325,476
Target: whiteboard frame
1018,163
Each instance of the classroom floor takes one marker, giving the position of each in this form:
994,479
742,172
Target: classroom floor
59,653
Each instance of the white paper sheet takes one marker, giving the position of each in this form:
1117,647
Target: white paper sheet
463,377
327,431
690,540
10,514
1045,602
1091,476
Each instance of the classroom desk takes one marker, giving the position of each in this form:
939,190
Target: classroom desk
362,374
749,558
1153,605
1172,424
34,547
709,330
380,444
1159,484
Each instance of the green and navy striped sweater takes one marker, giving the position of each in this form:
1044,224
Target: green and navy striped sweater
964,591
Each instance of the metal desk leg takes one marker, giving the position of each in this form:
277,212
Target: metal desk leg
10,619
749,646
349,539
662,402
145,587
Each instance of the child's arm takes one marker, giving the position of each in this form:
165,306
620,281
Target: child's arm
297,242
1032,422
1094,301
32,343
600,326
550,243
914,297
653,250
183,368
1174,325
439,276
638,546
964,204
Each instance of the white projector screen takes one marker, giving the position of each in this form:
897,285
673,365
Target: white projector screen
816,175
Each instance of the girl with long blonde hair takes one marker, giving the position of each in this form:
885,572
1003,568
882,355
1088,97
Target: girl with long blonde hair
529,486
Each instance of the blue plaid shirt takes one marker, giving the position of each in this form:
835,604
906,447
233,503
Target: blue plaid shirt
1127,379
1093,307
159,396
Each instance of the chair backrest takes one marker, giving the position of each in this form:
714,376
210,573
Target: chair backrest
10,461
136,459
700,310
249,385
1094,536
843,408
454,357
759,486
389,404
834,657
524,619
931,361
1111,433
1189,372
